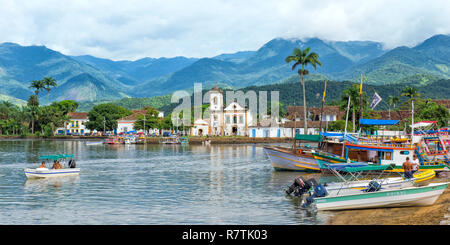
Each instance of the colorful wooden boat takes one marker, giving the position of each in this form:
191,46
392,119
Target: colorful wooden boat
286,159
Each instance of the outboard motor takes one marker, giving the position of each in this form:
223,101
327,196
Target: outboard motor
373,186
319,191
72,163
299,187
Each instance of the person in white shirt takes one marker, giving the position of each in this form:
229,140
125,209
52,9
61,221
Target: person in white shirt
415,164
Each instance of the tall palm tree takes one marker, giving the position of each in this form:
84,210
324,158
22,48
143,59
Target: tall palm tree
38,85
303,58
393,102
410,92
49,82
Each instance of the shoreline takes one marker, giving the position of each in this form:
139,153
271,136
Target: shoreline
155,140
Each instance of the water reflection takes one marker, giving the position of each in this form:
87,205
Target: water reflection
148,184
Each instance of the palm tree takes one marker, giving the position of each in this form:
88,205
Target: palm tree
49,82
393,102
410,92
303,58
38,85
353,93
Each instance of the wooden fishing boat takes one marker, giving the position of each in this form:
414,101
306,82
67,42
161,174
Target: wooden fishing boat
286,159
295,158
40,172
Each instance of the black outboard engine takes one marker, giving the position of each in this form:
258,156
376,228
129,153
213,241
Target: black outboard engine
373,186
299,187
72,163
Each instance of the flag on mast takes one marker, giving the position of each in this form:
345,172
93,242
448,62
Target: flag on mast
360,86
324,91
375,100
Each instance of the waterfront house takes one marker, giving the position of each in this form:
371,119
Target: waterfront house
200,128
126,124
76,125
267,128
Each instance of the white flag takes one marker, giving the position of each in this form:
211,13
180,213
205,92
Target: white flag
375,100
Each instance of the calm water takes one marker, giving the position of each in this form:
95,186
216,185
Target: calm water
148,184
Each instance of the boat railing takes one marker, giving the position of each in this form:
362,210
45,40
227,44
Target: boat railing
389,145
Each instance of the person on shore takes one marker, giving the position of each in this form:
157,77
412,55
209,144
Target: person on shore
56,165
407,167
42,165
415,164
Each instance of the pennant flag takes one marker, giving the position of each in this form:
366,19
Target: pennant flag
375,100
324,91
360,86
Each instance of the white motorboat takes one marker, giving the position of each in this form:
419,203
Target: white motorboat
44,172
411,196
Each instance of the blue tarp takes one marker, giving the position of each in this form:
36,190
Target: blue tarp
377,122
331,134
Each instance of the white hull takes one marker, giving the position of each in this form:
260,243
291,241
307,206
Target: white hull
32,173
412,196
353,187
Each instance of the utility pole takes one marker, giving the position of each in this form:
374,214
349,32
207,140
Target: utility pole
104,123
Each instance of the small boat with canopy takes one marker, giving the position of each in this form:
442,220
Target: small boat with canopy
44,172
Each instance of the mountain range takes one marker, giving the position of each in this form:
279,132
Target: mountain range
89,78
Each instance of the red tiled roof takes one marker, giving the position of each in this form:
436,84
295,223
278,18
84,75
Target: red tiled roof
77,115
133,117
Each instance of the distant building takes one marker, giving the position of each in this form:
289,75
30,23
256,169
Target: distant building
234,119
76,125
268,128
200,128
329,113
126,124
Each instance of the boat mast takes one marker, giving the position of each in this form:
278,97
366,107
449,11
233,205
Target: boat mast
345,129
321,109
412,122
360,101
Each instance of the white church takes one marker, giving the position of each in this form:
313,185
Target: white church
232,120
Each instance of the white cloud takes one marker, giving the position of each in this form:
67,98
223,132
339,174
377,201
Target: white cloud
204,28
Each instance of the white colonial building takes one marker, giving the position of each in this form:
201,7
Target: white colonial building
76,125
234,119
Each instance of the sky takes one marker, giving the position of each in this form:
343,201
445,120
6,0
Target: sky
132,29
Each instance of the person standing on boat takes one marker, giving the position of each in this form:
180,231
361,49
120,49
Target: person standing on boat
407,167
415,164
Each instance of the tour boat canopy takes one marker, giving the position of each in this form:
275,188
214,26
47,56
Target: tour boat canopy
309,137
55,157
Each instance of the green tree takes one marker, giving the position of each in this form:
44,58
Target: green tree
410,92
353,93
303,58
66,106
339,125
430,111
108,112
33,110
38,85
49,82
151,120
